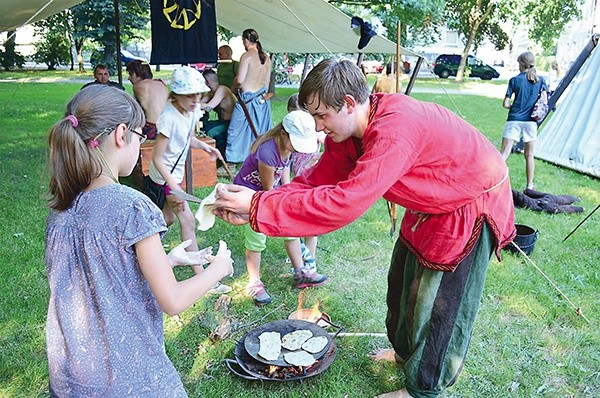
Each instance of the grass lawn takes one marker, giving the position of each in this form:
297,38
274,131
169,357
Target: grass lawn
528,341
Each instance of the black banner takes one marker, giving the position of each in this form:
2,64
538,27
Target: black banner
183,31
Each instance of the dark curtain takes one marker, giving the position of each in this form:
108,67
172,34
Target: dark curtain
183,31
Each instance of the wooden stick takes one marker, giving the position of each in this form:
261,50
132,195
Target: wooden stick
360,334
244,325
226,168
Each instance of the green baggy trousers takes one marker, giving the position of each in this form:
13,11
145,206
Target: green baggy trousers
431,315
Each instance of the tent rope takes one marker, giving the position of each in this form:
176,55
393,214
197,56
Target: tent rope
577,309
307,28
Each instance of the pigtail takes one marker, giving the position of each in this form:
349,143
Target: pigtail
72,165
265,137
527,61
252,36
75,157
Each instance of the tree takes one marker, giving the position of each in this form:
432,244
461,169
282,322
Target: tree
419,19
477,20
9,57
94,20
54,48
547,20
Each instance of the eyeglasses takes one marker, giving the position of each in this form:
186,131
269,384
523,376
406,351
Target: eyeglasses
142,136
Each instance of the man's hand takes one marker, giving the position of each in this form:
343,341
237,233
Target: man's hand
233,203
178,256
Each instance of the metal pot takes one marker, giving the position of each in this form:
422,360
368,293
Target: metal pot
252,342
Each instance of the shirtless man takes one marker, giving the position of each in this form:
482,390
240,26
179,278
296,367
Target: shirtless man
221,100
152,94
250,84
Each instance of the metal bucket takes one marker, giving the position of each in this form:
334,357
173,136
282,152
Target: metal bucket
525,239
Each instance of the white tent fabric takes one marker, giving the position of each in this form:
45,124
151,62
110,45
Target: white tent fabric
15,13
571,138
297,26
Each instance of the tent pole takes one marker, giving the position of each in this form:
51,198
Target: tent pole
305,69
398,57
118,43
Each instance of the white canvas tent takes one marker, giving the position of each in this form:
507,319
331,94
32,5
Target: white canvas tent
299,26
571,138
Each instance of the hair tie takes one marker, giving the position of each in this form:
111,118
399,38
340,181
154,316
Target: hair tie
73,120
93,143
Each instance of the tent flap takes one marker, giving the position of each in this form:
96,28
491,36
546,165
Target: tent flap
571,138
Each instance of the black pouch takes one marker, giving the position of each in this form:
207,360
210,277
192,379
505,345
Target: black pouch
155,192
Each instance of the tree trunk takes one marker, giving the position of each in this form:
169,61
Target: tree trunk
79,50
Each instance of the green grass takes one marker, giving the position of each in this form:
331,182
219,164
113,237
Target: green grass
528,342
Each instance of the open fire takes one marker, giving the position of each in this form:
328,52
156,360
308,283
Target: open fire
313,314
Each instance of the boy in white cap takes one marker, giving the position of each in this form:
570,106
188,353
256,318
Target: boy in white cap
175,135
267,167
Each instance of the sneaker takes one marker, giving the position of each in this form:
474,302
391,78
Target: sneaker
257,291
307,276
219,288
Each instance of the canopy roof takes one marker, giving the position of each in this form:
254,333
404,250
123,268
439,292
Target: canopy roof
15,13
297,26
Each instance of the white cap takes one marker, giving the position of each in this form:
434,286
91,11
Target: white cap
187,80
300,125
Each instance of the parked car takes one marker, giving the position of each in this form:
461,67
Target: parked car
126,56
446,65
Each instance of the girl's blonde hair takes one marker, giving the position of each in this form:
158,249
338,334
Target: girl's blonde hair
266,136
92,115
527,61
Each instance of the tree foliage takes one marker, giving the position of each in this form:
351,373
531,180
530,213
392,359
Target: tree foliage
10,58
419,20
94,20
54,48
548,19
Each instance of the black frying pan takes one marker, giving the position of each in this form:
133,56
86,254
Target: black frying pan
252,342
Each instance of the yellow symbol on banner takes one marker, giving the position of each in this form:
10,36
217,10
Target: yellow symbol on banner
180,17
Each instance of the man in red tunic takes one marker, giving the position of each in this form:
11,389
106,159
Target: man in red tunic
452,182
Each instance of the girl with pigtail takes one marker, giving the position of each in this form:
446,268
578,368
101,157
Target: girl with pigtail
110,279
527,86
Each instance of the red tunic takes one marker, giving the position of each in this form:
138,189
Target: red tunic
448,176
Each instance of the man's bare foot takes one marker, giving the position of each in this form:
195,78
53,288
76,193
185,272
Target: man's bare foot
395,394
384,354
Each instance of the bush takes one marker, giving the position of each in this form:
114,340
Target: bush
53,51
9,58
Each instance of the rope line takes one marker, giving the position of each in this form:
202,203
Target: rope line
577,309
307,28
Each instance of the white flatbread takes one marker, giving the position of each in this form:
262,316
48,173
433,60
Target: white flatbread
270,345
315,344
204,215
299,358
294,340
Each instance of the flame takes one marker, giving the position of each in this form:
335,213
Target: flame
273,369
315,313
300,300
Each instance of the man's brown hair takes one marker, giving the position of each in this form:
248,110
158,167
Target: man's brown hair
141,69
331,80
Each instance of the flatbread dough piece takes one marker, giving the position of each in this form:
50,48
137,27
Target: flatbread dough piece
315,344
204,215
299,358
294,340
270,345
